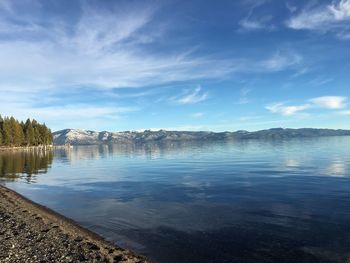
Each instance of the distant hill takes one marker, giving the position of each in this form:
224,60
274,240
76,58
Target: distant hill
82,137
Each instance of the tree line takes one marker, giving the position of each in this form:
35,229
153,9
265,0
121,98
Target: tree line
30,133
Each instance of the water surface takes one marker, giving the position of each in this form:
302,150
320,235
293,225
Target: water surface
245,201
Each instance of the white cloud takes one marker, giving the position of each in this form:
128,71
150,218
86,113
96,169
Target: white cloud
325,102
104,49
121,68
74,116
251,24
191,97
319,81
80,111
284,110
197,114
247,24
243,100
280,61
291,7
333,17
99,49
330,102
61,113
340,11
344,35
244,96
300,72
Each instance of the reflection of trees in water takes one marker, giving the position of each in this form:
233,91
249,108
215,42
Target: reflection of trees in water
30,162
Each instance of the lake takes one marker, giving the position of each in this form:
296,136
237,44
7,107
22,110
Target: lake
229,201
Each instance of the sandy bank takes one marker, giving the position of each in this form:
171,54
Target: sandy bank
30,232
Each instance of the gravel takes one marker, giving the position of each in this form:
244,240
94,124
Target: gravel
32,233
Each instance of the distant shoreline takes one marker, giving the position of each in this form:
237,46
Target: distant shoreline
35,232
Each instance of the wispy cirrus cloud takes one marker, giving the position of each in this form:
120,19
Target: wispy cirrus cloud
197,115
286,110
98,48
101,59
101,47
334,17
251,24
325,102
282,60
191,96
244,96
83,116
292,8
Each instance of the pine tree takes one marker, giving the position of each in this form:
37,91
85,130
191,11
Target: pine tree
36,140
29,133
6,132
18,135
49,137
1,124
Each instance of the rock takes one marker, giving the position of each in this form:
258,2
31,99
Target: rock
37,238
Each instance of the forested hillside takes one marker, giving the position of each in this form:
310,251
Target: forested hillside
30,133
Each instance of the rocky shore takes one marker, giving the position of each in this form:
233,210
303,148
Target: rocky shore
26,148
32,233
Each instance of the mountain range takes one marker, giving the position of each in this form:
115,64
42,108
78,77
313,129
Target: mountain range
82,137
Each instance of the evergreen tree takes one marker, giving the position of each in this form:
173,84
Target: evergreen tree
49,137
36,132
1,124
17,136
29,133
6,132
15,133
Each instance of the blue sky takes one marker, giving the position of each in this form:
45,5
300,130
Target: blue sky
184,65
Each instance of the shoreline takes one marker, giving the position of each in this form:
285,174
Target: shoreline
30,232
30,148
17,148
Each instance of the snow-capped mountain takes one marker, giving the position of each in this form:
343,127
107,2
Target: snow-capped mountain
82,137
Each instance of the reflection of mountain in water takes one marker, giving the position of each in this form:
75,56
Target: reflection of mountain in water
31,162
150,150
178,149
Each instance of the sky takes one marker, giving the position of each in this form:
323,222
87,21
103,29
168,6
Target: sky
176,65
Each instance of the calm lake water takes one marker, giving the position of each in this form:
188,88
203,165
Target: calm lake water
246,201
